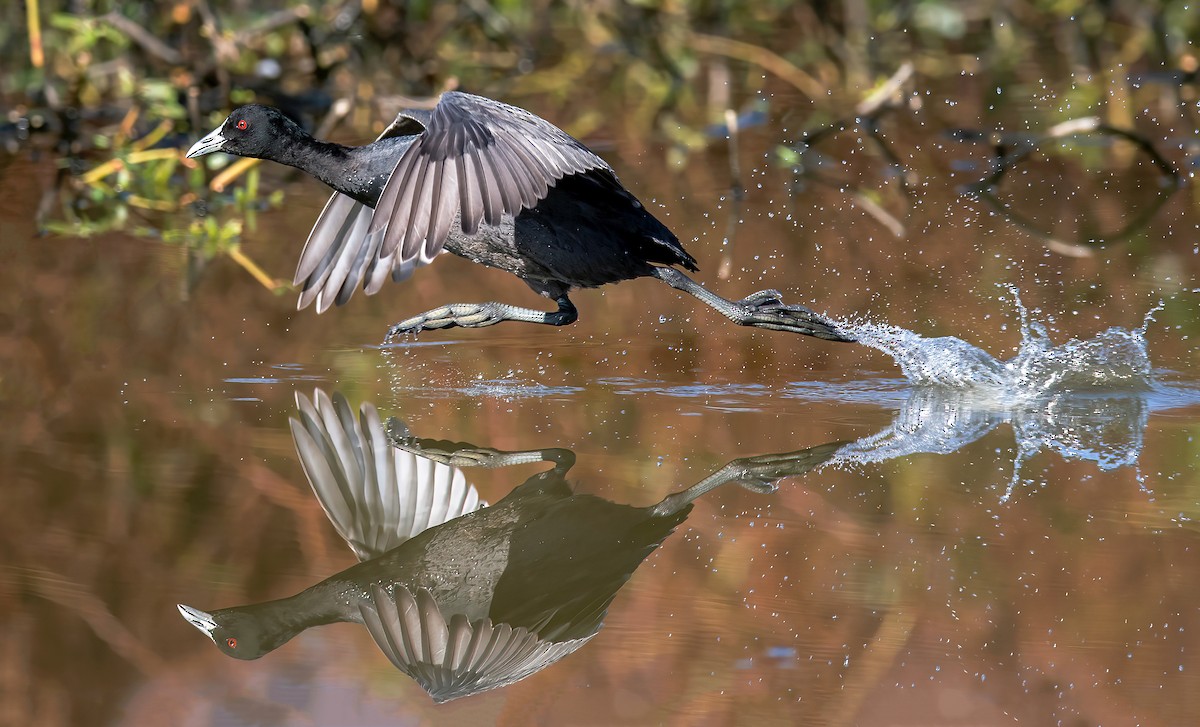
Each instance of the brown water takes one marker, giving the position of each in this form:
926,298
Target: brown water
148,459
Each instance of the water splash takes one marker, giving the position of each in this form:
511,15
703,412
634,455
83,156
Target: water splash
1115,360
1086,399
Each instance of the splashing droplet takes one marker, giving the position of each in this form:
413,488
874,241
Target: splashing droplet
1114,360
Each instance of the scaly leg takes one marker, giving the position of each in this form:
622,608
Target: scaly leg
480,315
757,474
763,309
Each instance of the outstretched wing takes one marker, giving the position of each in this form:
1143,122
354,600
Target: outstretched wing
338,256
477,160
453,657
375,495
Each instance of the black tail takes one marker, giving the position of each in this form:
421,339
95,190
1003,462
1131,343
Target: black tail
655,241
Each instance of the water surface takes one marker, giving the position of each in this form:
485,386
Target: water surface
1009,536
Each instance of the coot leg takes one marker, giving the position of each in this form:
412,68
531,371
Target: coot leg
757,474
763,309
462,454
479,315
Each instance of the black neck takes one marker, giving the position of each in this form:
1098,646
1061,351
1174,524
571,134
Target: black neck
278,621
356,171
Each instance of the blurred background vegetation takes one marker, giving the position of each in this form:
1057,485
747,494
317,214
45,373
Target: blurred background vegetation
146,442
114,89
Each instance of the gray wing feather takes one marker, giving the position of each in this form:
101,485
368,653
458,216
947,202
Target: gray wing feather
455,658
354,273
408,122
471,145
489,190
375,495
331,224
474,160
339,253
470,196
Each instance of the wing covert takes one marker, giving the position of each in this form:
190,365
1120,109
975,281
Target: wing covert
477,160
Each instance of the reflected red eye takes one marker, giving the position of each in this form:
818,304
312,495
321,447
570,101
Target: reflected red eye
243,125
231,642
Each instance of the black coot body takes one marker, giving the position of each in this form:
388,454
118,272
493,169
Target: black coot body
592,212
489,182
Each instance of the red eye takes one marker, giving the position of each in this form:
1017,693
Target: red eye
242,124
232,642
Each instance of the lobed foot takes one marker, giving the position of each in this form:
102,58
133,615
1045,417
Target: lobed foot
766,309
464,315
762,297
761,473
481,315
758,487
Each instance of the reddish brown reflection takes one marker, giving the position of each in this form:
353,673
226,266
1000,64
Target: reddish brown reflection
139,475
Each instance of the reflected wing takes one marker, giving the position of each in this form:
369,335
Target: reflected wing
338,256
477,160
456,658
375,495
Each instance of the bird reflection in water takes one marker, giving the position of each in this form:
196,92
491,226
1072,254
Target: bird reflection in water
463,596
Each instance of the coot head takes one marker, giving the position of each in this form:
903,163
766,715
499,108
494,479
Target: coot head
251,131
239,635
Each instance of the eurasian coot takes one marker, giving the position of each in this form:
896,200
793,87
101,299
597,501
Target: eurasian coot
494,184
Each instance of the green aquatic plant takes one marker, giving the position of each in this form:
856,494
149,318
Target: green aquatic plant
647,73
152,192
